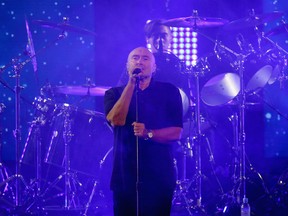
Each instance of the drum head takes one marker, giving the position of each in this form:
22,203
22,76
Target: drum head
220,89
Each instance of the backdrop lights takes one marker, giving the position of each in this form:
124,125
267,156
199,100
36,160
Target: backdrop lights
184,44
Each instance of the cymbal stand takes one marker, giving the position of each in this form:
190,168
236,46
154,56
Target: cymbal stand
17,66
198,141
69,195
35,134
184,184
96,182
194,73
242,136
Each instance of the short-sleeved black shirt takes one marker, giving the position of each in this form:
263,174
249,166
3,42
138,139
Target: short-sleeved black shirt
159,106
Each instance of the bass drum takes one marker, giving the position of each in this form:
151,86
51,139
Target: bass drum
87,135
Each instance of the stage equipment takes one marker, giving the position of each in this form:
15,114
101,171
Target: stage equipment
194,74
81,90
253,69
64,26
253,20
195,21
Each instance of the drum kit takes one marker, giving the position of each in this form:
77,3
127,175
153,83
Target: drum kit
253,67
63,134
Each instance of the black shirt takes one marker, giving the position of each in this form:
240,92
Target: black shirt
159,106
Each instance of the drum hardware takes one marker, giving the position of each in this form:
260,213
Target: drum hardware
252,20
183,185
194,74
199,137
17,66
70,178
233,197
35,131
82,90
195,21
240,90
64,26
96,182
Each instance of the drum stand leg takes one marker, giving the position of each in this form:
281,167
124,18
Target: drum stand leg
198,143
35,128
90,197
70,178
182,186
96,182
8,189
17,177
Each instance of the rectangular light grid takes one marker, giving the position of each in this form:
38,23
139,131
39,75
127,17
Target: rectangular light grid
184,44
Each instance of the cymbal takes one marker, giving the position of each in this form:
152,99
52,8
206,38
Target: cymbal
195,21
220,89
278,30
82,90
253,20
64,27
30,48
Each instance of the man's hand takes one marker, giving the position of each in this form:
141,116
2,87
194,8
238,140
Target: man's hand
139,129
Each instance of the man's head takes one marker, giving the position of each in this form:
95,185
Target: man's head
141,58
156,35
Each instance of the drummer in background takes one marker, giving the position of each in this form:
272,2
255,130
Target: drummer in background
169,68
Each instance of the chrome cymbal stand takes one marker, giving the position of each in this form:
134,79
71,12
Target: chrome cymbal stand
34,137
198,141
97,182
194,139
183,185
70,178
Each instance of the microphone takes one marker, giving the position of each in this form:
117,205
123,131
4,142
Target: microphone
136,71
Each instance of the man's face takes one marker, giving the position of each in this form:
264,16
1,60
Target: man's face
161,32
141,58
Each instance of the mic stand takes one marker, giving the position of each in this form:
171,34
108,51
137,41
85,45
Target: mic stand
137,151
